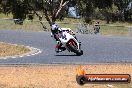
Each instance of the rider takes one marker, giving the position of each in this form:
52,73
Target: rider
55,31
96,27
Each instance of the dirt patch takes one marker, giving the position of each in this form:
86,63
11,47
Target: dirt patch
10,49
57,76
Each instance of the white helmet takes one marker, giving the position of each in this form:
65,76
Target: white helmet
55,27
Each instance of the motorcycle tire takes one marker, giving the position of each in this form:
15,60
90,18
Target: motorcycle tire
74,49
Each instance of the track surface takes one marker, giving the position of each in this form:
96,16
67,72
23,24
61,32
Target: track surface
97,49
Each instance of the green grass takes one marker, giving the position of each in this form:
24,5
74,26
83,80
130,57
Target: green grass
27,26
106,29
36,26
5,16
115,30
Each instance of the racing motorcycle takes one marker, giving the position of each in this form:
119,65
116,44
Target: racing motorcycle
70,42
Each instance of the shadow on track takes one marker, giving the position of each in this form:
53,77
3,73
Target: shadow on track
65,55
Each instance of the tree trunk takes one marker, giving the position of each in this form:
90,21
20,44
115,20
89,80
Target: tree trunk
108,19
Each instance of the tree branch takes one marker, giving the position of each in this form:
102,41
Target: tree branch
59,10
46,14
40,17
47,17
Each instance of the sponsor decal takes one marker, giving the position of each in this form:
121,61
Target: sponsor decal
83,78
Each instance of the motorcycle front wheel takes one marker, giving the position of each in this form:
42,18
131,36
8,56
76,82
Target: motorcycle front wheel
74,49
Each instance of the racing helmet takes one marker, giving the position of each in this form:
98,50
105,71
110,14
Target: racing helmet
54,27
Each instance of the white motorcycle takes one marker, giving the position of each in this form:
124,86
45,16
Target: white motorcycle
70,42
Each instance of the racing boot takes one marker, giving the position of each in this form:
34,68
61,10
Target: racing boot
57,48
62,48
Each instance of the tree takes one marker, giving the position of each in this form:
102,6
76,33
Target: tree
123,9
55,9
86,8
49,9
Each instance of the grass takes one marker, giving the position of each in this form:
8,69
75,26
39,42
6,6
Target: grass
5,16
106,29
115,30
10,49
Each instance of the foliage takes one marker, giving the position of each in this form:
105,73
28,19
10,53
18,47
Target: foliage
109,10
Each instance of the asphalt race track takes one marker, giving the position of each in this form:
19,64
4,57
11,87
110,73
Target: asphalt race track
97,49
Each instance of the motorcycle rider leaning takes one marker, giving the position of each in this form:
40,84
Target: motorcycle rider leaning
55,32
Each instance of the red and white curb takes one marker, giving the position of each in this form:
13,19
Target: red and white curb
33,51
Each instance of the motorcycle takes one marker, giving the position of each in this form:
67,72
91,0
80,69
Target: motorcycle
70,42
